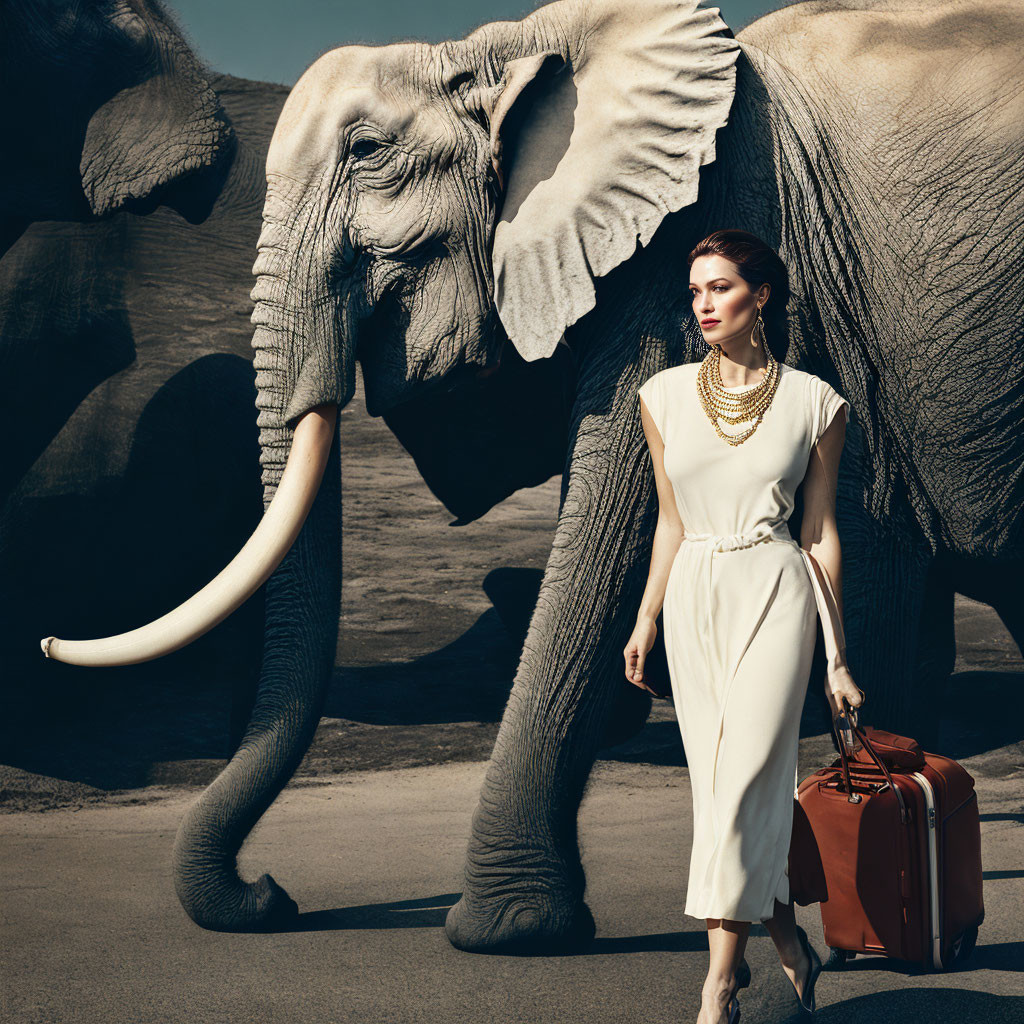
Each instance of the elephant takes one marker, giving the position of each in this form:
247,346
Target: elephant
107,109
112,121
528,195
130,340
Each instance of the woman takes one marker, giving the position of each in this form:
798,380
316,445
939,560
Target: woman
731,440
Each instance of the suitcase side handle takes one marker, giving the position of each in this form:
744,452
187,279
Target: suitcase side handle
849,714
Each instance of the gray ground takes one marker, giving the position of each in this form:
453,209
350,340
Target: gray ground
369,839
92,930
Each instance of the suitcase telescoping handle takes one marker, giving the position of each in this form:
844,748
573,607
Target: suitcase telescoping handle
847,720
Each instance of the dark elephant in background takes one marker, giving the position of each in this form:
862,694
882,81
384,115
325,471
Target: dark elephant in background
108,112
106,109
128,338
531,193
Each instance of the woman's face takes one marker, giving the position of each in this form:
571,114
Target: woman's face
723,303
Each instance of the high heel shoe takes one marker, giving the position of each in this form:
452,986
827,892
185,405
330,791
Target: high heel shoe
807,999
734,1010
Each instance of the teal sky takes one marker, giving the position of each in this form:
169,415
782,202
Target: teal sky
276,40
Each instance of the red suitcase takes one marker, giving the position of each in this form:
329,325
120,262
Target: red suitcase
887,839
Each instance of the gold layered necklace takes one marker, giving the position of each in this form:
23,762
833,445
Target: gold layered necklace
732,407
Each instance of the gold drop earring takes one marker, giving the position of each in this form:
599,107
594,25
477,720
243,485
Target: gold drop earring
758,330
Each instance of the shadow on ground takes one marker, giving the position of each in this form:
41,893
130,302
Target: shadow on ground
942,1004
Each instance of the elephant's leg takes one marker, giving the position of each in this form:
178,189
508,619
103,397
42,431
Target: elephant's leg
513,592
302,605
885,581
524,881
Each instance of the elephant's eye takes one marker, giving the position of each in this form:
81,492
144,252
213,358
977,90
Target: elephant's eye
363,148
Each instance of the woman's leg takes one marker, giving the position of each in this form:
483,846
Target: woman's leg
782,929
726,941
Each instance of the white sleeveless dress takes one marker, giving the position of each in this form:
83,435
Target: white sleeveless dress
739,623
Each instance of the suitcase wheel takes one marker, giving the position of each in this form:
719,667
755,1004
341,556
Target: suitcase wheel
963,946
837,957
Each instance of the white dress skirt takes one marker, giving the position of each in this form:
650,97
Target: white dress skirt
739,622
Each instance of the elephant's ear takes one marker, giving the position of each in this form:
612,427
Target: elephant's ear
529,85
596,157
149,135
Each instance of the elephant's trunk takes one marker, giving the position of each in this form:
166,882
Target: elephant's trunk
303,362
303,602
241,578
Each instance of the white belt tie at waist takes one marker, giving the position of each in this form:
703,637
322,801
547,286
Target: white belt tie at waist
778,531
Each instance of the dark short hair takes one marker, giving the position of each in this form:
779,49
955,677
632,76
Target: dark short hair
757,263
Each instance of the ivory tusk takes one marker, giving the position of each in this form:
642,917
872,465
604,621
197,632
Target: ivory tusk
241,578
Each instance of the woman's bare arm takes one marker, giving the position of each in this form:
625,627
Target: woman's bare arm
669,532
819,537
668,536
